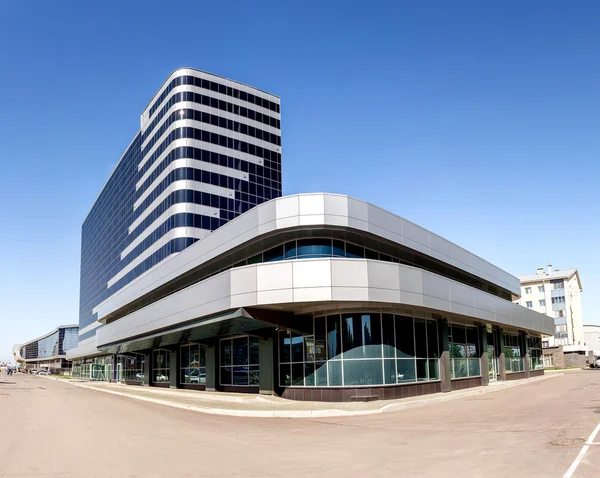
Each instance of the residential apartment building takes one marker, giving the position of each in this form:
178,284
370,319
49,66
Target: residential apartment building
557,293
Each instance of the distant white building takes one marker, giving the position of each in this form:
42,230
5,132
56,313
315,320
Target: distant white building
592,338
557,294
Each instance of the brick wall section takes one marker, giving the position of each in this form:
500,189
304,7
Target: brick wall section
561,359
575,360
558,357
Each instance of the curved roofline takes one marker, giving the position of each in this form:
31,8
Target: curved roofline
308,210
206,73
75,326
146,107
309,286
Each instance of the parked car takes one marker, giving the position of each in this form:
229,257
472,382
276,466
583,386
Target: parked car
43,372
139,376
197,376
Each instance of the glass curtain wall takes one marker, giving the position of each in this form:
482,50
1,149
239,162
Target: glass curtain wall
132,367
536,358
97,368
193,364
512,353
360,349
464,351
161,363
317,247
239,361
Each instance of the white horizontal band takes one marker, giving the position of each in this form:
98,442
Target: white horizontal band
174,209
189,123
190,105
183,184
194,143
172,234
218,96
188,163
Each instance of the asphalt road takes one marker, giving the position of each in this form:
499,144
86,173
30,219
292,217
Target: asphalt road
50,428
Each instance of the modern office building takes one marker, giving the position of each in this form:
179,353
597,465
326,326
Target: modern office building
208,150
318,297
195,273
557,293
48,351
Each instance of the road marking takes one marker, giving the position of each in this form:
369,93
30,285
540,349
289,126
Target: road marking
590,441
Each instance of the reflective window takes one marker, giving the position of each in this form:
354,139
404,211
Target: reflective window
512,353
534,348
132,367
239,361
464,351
362,336
193,364
161,363
360,349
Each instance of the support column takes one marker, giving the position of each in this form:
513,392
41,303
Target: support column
525,353
211,369
147,369
501,357
266,376
445,365
173,369
485,361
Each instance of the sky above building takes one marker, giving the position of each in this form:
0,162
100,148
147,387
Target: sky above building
476,120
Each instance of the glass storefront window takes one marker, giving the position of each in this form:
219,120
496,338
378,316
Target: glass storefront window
512,353
132,367
362,349
464,351
536,358
193,364
161,363
239,360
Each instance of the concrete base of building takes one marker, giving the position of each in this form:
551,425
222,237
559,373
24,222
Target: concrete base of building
463,383
515,376
344,394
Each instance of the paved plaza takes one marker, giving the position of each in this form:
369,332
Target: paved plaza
52,428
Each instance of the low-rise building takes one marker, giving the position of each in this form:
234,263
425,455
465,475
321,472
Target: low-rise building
317,297
48,351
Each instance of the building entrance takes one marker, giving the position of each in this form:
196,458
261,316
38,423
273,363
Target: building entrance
492,364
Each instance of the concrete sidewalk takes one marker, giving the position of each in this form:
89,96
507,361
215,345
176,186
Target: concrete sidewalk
265,406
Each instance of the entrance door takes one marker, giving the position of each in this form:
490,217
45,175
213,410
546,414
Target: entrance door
492,364
119,372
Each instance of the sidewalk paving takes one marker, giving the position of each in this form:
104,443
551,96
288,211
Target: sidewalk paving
266,406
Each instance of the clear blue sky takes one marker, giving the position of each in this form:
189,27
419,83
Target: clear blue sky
477,120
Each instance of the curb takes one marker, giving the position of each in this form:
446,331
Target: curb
327,413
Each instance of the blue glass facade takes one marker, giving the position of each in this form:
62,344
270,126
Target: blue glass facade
201,158
57,343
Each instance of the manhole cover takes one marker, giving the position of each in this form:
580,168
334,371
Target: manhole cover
567,441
